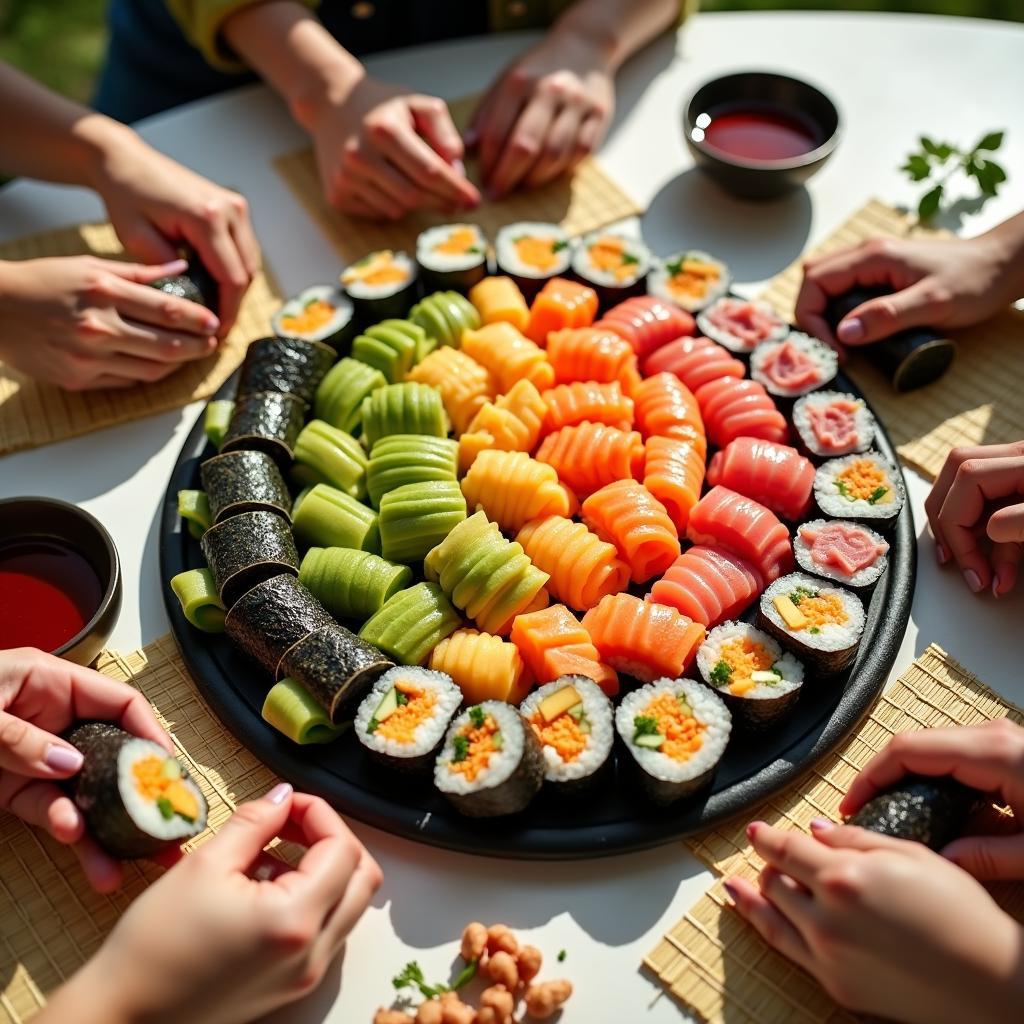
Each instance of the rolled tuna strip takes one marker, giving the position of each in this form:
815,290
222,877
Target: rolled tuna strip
244,481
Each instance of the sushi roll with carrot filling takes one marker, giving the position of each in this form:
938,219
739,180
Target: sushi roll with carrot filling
739,325
452,256
321,313
842,551
572,719
758,682
859,486
615,266
820,622
831,423
676,731
531,254
491,763
381,286
794,366
692,280
402,720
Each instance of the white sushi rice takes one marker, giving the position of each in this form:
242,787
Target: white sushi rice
428,256
584,268
708,708
832,636
731,341
827,360
508,259
839,506
709,654
501,764
295,306
598,711
863,420
429,732
357,288
144,811
861,578
662,271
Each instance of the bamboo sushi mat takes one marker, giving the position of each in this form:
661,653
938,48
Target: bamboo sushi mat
976,402
717,965
33,414
587,200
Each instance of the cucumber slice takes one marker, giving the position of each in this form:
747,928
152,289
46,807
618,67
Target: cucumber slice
650,741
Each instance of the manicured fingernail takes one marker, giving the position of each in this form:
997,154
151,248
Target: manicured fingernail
941,554
851,330
973,580
734,893
280,793
459,167
175,267
821,824
63,759
212,324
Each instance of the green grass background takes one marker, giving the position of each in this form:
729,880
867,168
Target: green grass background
61,42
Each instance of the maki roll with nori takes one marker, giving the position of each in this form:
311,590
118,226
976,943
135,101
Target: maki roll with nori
676,731
860,486
137,800
321,313
572,720
381,286
244,481
531,254
266,422
335,667
289,365
452,256
614,265
196,284
246,549
794,366
758,682
491,763
271,618
846,552
402,720
819,621
692,280
741,325
832,423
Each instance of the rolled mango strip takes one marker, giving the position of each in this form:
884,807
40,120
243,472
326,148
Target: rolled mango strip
216,419
194,508
499,299
325,517
197,594
327,455
291,710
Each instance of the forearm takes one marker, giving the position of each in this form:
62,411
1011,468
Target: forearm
87,998
1008,240
618,27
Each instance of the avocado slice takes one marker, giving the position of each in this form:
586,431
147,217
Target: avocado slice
650,741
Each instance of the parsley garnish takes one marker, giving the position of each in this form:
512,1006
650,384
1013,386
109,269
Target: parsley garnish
644,725
844,490
164,806
477,716
721,673
877,495
814,629
796,596
373,726
559,245
561,956
474,250
401,698
461,747
675,267
628,258
412,975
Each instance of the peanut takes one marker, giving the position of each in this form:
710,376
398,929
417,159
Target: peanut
500,938
502,969
430,1012
383,1016
474,941
500,1000
529,963
543,1000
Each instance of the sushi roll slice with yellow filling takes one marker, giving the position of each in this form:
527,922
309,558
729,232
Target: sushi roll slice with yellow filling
859,486
692,280
532,253
381,286
322,312
614,265
452,256
794,366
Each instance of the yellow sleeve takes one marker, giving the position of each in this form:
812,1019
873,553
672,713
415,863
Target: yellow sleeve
202,21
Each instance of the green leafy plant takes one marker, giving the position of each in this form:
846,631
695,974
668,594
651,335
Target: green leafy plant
936,162
412,976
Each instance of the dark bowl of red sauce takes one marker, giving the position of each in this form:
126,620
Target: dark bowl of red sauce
759,134
60,579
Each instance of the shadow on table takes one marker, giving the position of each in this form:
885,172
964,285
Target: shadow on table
315,1007
152,614
636,75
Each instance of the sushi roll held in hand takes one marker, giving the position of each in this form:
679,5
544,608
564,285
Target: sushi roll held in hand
531,254
692,280
615,266
860,487
136,799
381,286
452,256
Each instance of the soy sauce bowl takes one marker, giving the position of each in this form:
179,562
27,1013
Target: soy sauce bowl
761,92
36,519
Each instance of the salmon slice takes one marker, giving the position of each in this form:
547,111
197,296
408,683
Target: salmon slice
665,407
695,361
648,323
776,475
709,585
674,474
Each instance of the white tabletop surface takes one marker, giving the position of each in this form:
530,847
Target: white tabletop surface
894,77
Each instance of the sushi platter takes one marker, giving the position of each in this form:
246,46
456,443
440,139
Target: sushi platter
550,549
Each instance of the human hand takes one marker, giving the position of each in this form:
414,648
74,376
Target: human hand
988,757
40,696
546,112
870,917
985,544
81,322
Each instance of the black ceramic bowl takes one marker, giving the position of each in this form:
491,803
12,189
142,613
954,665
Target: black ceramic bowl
28,519
762,91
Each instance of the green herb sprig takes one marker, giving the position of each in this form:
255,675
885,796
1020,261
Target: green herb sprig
412,976
936,162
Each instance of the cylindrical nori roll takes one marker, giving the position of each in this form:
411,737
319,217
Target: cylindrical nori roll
614,265
197,284
244,481
335,667
244,550
137,799
451,256
271,618
322,313
292,366
381,286
268,422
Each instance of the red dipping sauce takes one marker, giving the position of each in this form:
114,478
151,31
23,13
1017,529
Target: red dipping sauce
48,592
759,133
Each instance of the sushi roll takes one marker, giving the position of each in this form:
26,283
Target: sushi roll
758,682
381,286
794,366
196,284
572,719
614,265
676,731
246,549
137,800
820,622
289,365
531,254
859,486
321,313
451,257
739,325
491,762
692,280
267,422
402,720
244,482
840,550
832,423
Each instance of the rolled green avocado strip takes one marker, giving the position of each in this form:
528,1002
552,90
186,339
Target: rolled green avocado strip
197,594
216,419
407,459
351,584
244,481
444,316
407,408
327,455
339,398
416,517
293,712
268,422
194,508
293,366
325,517
247,549
392,346
412,623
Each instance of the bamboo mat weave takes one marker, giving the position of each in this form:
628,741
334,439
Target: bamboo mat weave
584,202
718,966
33,414
976,402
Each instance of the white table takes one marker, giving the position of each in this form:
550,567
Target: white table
894,77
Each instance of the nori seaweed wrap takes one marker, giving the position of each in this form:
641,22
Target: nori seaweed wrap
197,284
244,481
289,365
267,422
247,549
267,621
336,667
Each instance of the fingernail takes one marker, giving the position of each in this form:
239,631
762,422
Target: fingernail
734,893
212,324
63,759
941,554
973,580
175,267
280,793
851,330
821,824
752,829
459,166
